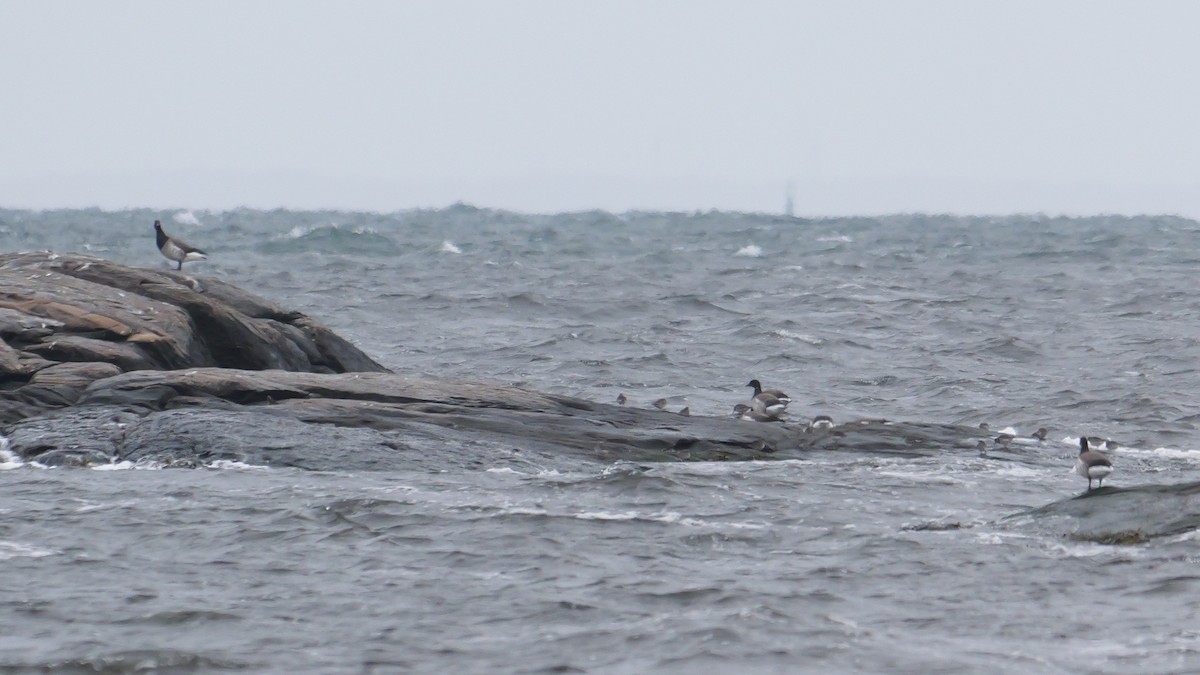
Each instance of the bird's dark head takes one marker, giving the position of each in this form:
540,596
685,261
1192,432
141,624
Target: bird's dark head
160,237
756,385
1083,444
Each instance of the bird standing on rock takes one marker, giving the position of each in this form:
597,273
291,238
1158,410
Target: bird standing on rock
771,402
1092,464
176,249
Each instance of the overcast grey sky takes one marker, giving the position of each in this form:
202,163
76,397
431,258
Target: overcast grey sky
864,106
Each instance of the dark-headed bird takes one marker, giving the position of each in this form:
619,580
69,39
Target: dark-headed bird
769,402
176,249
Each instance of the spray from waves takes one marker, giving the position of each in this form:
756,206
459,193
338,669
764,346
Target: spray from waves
8,458
749,251
186,218
156,465
333,239
449,247
302,231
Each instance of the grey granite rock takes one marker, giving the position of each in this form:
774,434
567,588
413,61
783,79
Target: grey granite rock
100,362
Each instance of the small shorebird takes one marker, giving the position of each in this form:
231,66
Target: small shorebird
748,414
820,422
176,249
755,416
1092,464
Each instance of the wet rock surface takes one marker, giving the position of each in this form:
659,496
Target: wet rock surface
101,362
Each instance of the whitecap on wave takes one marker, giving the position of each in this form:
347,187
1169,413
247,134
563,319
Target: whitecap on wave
449,247
301,231
186,218
8,458
1167,453
802,337
13,549
669,517
155,465
237,465
750,251
114,466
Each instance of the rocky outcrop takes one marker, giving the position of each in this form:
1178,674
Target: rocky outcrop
101,362
66,320
1118,515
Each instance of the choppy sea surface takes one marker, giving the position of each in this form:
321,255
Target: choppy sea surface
838,562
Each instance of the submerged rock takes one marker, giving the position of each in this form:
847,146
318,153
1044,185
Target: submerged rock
100,362
1120,516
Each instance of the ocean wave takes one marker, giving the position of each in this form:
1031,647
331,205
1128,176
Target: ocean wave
695,302
750,251
1166,453
15,549
331,239
186,218
799,337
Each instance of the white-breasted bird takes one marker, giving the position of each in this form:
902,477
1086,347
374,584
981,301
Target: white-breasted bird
1092,464
176,249
771,402
820,422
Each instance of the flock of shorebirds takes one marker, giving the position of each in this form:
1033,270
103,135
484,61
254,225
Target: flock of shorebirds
766,405
769,405
1091,463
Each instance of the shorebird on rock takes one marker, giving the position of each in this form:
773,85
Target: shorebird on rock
770,402
176,249
1092,464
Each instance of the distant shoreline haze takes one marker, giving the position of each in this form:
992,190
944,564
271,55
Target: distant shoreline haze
220,191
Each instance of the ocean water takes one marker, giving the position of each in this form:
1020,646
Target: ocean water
839,562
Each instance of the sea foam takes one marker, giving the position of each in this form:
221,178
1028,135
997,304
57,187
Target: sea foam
8,458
